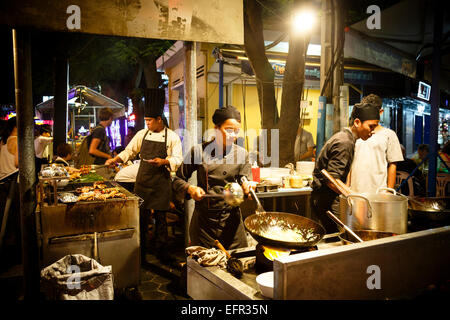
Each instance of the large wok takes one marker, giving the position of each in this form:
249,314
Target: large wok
430,208
284,230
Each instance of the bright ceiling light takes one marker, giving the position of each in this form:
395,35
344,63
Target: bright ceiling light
304,21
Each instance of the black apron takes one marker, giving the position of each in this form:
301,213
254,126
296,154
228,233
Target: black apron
213,218
153,184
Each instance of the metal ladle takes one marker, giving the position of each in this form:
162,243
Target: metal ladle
232,194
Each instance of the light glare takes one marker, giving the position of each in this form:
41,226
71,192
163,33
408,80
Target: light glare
304,21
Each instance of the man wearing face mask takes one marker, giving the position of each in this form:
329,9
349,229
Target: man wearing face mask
336,157
160,152
217,163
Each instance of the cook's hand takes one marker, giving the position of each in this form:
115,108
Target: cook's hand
158,162
110,162
196,193
247,185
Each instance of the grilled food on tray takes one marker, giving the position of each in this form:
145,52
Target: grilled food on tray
98,192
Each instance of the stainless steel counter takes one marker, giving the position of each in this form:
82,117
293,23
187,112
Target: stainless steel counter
401,266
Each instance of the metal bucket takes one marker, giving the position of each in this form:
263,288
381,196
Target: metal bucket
375,211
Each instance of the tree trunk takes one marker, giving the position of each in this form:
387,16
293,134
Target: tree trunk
255,51
338,74
293,81
151,75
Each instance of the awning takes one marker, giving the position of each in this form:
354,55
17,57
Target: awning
84,97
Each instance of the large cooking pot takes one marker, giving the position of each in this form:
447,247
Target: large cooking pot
284,230
375,211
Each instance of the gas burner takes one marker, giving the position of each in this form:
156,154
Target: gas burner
265,256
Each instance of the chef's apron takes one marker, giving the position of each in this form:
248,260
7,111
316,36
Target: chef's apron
213,218
153,184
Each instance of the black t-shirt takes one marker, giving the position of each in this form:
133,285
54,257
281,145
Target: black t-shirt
99,132
336,157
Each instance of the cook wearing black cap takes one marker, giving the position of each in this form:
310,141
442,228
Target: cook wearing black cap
217,163
336,157
160,152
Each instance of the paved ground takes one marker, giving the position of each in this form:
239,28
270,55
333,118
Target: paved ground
159,281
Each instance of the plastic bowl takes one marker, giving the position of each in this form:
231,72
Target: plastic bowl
265,284
63,182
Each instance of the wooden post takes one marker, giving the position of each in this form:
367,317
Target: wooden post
190,91
190,112
25,133
435,97
61,74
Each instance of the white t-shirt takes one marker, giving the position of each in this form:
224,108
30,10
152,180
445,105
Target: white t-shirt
301,146
369,167
128,174
40,144
174,147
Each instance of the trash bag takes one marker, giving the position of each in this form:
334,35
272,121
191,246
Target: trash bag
77,277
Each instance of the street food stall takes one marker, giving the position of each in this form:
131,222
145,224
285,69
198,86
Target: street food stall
83,104
294,258
84,214
406,265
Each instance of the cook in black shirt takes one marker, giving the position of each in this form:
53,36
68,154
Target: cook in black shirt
336,157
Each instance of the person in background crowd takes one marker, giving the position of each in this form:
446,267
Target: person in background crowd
336,157
41,145
98,140
408,165
117,150
9,158
217,163
11,250
375,161
445,155
422,152
64,152
130,134
304,145
161,153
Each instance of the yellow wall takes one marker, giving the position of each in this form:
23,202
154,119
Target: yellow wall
253,116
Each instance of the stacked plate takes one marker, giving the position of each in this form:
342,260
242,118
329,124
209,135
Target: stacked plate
305,168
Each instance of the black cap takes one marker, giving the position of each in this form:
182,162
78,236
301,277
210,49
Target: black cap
154,102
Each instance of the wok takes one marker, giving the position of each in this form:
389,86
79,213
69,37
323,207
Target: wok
284,230
429,208
365,235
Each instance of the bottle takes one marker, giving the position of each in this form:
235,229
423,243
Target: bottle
255,172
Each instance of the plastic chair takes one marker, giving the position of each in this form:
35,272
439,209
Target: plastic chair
402,175
442,179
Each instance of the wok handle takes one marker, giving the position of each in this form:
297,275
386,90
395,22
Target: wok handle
220,246
95,247
339,222
334,182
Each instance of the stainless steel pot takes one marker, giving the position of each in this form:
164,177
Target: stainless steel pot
375,211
